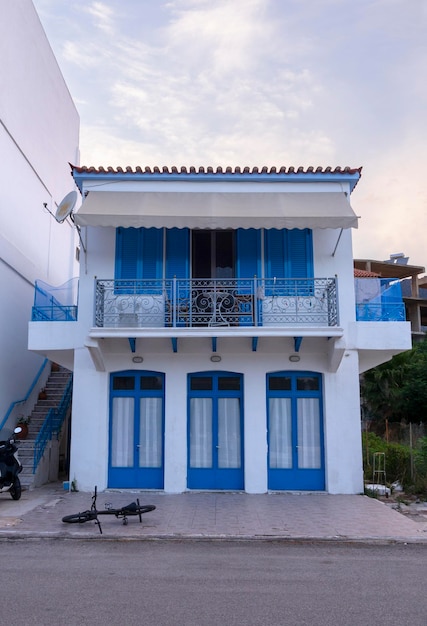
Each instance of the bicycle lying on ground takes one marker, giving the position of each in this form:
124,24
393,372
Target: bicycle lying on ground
134,508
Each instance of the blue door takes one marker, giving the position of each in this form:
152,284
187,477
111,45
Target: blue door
295,431
136,430
215,431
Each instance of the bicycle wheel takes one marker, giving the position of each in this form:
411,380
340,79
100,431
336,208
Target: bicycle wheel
79,518
144,509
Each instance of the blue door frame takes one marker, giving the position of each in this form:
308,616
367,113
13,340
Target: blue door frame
136,433
218,396
295,431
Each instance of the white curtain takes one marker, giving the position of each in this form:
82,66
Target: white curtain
150,432
122,444
308,433
229,433
280,427
201,432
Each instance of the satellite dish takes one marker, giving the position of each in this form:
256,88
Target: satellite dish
65,208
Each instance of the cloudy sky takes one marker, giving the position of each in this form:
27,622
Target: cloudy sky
259,82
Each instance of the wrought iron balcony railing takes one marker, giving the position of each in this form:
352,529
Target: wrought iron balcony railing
216,302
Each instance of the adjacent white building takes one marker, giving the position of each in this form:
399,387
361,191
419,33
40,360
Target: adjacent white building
217,344
39,135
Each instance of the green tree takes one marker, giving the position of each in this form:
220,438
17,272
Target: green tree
413,392
397,390
381,389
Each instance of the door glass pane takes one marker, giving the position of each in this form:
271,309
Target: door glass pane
150,432
224,262
229,432
307,383
212,254
309,456
124,382
279,383
201,383
151,382
122,436
229,383
280,431
201,254
200,432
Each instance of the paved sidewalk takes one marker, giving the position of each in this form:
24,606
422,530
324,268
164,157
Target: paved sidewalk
198,516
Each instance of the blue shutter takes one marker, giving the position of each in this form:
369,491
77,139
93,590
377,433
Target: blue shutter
248,252
299,253
177,253
127,264
248,265
178,265
274,253
152,253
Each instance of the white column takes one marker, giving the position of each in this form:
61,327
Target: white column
89,425
343,440
176,427
255,431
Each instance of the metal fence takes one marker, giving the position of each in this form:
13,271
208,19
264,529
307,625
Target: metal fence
216,302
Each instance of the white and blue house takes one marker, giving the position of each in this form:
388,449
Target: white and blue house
216,341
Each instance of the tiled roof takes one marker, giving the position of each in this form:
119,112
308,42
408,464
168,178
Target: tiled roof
218,170
365,274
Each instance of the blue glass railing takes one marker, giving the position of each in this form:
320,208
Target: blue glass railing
379,300
55,304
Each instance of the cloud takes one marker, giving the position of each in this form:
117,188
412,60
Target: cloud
103,16
254,82
225,36
214,81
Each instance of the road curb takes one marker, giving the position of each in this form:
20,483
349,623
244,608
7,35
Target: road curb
96,536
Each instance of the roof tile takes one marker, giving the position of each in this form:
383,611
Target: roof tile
219,170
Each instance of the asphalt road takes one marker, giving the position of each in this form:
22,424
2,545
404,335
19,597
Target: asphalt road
72,582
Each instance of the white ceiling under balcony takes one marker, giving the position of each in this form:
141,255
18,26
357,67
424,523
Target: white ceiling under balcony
216,210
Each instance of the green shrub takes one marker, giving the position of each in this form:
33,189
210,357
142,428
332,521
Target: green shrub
420,456
397,459
420,464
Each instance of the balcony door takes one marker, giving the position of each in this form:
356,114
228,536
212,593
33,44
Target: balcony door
213,254
136,430
215,431
295,432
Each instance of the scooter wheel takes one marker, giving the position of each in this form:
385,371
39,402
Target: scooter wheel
16,490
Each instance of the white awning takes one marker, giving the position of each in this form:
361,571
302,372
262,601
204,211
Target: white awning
210,210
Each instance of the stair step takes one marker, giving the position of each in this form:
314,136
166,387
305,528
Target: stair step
55,387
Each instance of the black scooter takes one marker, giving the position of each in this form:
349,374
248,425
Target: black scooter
10,465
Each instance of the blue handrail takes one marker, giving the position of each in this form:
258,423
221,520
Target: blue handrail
52,424
16,402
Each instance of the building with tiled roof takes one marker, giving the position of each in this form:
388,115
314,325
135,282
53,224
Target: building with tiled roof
218,342
410,282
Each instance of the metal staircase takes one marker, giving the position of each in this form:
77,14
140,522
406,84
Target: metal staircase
30,449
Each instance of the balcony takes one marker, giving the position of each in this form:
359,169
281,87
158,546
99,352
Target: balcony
55,304
379,300
185,303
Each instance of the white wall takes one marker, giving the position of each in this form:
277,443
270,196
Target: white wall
332,260
89,452
39,134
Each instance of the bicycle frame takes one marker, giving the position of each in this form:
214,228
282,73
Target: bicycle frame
134,508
